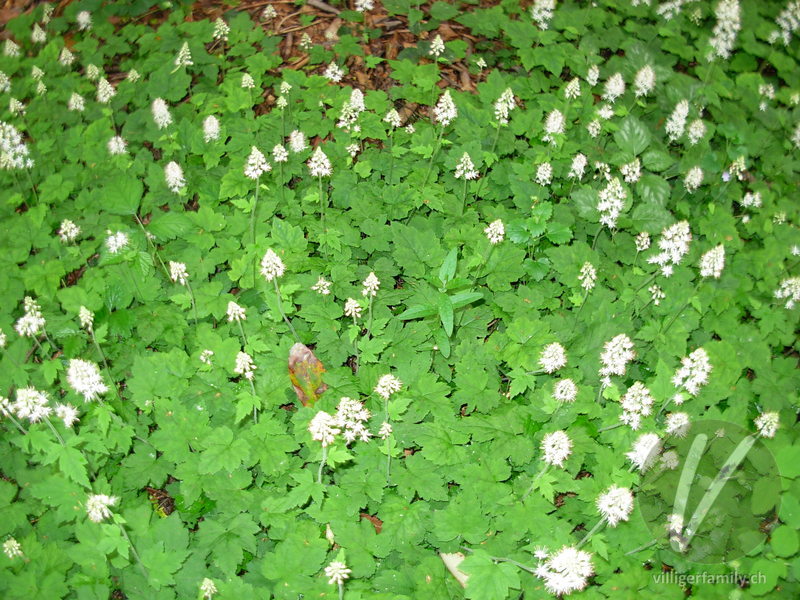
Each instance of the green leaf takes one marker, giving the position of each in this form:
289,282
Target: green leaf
122,194
488,580
416,312
448,269
633,137
446,314
464,298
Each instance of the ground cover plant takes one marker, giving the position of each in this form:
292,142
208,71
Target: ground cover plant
399,300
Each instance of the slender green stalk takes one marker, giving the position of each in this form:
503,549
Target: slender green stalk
322,463
152,245
536,477
682,308
55,433
355,343
322,202
33,187
369,326
597,235
486,167
592,531
253,215
194,304
610,427
642,547
105,364
391,155
255,410
280,184
241,329
341,591
510,561
133,548
18,425
435,152
464,198
283,314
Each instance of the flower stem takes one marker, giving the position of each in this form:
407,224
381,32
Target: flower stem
283,314
682,308
253,389
322,463
510,561
355,343
536,477
194,304
152,245
341,591
430,162
18,425
642,547
597,235
322,202
369,325
592,531
391,155
53,429
133,549
253,214
241,330
486,167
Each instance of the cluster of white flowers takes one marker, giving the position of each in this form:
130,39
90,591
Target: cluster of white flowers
92,72
66,58
642,241
318,164
788,22
364,5
504,105
84,377
393,118
712,262
280,154
10,48
677,424
297,141
173,174
14,153
542,12
767,424
351,109
573,89
751,200
323,428
556,447
178,273
221,30
436,48
32,321
117,146
271,265
588,276
656,294
445,110
337,572
333,72
644,82
31,404
465,169
495,232
12,548
693,372
68,231
552,358
15,107
674,244
244,365
566,571
695,131
544,174
248,83
616,355
161,114
269,13
235,312
614,88
207,586
385,431
116,242
727,28
631,171
611,201
256,164
387,385
693,179
86,318
578,166
645,451
615,505
38,36
210,128
84,20
184,57
206,356
565,390
352,308
370,285
76,102
676,123
67,413
97,506
553,126
350,418
322,287
636,403
789,289
5,83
